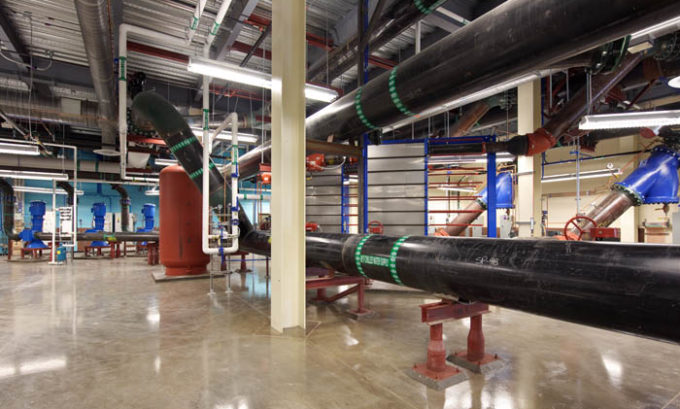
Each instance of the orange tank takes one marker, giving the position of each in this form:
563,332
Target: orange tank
180,224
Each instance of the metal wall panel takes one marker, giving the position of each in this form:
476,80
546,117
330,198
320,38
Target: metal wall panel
324,199
397,204
376,192
387,164
398,218
404,230
396,178
403,150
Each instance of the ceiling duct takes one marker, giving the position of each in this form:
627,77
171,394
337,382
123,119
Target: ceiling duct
93,16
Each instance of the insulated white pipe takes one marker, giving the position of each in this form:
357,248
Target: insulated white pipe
224,7
251,196
54,220
195,19
205,225
123,31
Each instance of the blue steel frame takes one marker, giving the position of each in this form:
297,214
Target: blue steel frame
427,142
344,202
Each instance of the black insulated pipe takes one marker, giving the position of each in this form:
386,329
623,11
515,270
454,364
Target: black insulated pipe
8,210
124,207
622,287
66,187
499,46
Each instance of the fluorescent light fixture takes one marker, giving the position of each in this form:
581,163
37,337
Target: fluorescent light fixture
674,82
658,29
456,189
226,136
234,73
164,162
630,120
592,174
20,174
43,190
152,192
16,149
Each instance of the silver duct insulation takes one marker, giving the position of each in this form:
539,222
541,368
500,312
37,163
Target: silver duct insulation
50,111
93,16
55,164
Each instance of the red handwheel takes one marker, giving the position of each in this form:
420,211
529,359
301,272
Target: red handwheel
574,220
375,227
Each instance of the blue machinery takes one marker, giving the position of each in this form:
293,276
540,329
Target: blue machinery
37,210
99,212
149,213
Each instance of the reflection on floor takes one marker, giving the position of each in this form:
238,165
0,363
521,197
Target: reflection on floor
102,334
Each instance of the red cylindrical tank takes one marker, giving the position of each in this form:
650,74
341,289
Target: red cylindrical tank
180,224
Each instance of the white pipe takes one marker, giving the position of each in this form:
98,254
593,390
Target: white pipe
250,196
224,7
205,225
54,220
123,31
195,19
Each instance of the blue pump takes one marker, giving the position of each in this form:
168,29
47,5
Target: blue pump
37,210
149,212
99,212
655,181
503,192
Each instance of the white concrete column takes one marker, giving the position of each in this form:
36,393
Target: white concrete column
528,196
288,165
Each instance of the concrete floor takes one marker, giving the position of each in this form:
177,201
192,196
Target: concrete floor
102,334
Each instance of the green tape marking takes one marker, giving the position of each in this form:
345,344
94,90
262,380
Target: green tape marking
395,96
216,26
194,23
199,172
393,259
183,144
122,68
206,118
357,255
427,10
360,110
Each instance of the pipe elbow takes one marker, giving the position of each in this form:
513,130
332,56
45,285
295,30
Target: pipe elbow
539,142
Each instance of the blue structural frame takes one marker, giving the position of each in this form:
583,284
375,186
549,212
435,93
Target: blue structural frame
344,201
427,142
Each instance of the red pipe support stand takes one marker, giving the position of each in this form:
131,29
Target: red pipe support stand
152,253
320,284
243,268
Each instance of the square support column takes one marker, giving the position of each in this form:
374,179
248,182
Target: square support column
288,165
529,168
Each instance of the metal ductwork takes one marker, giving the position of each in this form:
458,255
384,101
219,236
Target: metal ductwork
56,164
484,54
93,16
628,288
49,111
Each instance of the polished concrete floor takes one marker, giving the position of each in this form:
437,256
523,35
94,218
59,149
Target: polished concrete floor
102,334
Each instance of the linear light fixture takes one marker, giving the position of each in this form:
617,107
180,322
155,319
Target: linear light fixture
16,149
164,162
658,29
630,120
20,174
674,82
226,136
43,190
592,174
234,73
152,192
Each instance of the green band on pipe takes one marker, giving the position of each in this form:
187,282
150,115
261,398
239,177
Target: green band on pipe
206,119
360,110
393,259
194,23
183,144
216,26
199,172
427,10
121,68
395,96
357,255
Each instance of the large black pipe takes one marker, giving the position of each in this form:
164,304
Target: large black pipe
66,187
511,41
124,207
629,288
8,210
